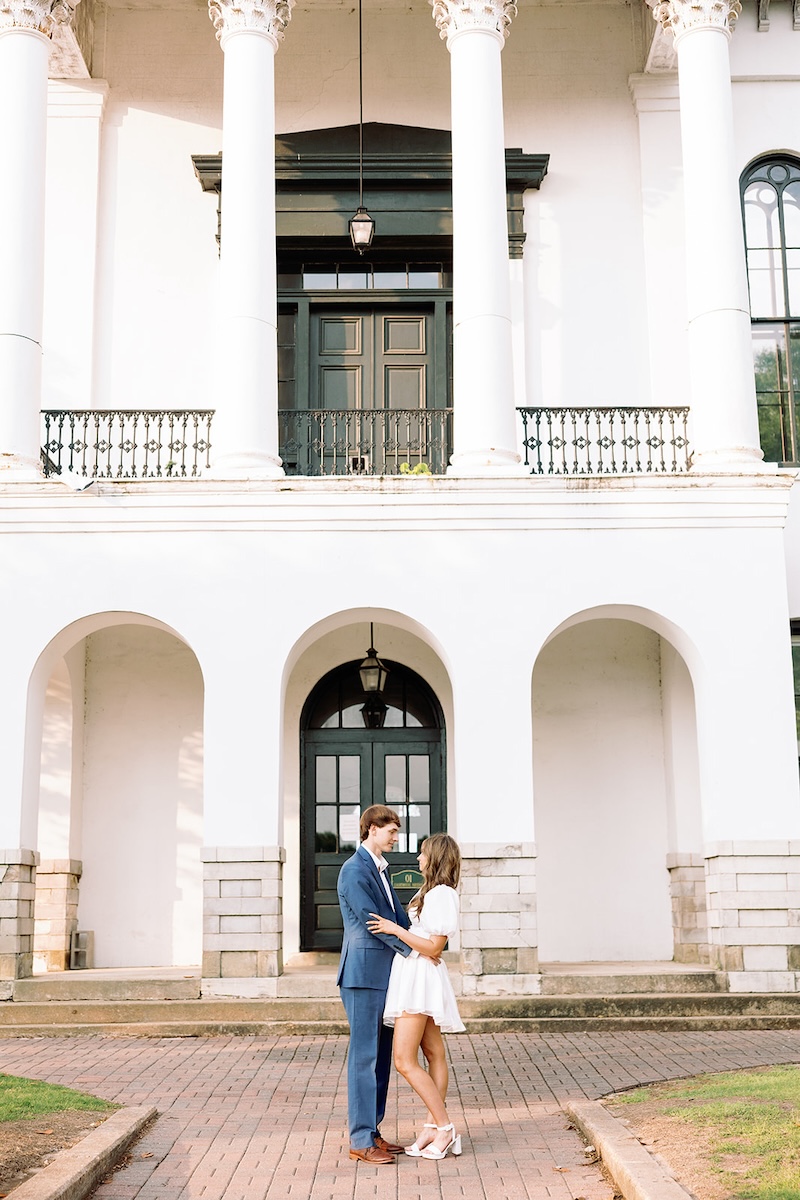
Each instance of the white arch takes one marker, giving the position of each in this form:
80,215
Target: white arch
57,648
616,781
335,639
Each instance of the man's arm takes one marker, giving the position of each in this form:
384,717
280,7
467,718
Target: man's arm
358,898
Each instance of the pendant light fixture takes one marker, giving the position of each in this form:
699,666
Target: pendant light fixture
362,226
373,680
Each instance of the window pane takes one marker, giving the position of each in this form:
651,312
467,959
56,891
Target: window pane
769,353
421,277
395,779
350,779
349,279
419,826
419,778
762,229
394,718
348,828
402,846
326,779
793,281
325,836
393,279
765,273
319,278
791,215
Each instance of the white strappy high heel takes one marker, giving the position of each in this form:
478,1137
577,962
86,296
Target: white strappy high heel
454,1145
415,1151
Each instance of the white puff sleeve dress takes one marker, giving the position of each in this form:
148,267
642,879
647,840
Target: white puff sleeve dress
417,984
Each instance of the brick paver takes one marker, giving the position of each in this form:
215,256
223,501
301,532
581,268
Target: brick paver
264,1117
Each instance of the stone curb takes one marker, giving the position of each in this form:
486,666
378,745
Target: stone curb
74,1173
635,1172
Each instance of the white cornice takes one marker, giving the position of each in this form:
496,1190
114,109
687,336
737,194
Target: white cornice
420,505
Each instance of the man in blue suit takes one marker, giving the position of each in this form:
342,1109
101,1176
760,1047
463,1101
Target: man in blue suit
364,888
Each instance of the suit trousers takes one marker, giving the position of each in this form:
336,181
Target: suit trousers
369,1062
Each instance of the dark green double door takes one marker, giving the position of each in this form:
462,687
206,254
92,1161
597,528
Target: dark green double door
342,775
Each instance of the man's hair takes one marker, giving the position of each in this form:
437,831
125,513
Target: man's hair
380,815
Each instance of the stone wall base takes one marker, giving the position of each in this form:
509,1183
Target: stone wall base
17,893
754,914
499,954
55,912
242,915
687,885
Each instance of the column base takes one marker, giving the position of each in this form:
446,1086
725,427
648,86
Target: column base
242,918
754,914
733,461
247,466
16,468
55,912
687,885
477,464
17,891
499,953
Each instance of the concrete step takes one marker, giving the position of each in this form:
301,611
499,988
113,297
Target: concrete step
640,983
80,985
190,1018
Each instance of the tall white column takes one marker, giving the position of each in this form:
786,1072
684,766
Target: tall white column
723,400
484,424
25,30
245,431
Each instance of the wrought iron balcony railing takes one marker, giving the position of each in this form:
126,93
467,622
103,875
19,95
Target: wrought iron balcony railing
365,441
605,441
176,444
127,443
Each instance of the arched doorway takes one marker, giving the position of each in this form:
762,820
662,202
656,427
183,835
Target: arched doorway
346,767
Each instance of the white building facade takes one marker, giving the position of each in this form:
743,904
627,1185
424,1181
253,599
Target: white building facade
519,447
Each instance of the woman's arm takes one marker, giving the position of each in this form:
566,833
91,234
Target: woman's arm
431,947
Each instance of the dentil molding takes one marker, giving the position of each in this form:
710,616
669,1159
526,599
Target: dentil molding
682,16
456,16
38,16
263,16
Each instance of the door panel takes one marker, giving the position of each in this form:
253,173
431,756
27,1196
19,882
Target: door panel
404,335
404,387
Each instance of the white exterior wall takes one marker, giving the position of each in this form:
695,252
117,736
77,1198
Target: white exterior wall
600,796
141,890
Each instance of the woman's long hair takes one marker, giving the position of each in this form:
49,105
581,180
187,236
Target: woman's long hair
444,866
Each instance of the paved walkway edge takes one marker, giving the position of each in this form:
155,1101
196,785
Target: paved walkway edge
636,1174
74,1173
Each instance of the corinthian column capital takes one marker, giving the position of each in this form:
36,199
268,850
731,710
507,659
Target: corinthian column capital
457,16
683,16
260,16
37,16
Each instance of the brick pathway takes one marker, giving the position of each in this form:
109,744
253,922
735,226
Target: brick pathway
257,1118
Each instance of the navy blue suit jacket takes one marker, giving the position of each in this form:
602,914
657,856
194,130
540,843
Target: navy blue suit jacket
366,960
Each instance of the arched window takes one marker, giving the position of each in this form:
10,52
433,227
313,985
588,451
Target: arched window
771,205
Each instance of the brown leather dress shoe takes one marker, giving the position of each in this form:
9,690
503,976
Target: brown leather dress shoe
370,1154
387,1147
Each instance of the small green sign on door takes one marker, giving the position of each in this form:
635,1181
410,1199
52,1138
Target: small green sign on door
407,879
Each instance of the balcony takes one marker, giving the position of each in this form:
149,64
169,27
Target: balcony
135,444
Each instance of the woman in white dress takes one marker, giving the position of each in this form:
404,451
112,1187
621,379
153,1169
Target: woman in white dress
420,1001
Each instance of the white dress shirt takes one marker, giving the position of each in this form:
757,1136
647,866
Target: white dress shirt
382,866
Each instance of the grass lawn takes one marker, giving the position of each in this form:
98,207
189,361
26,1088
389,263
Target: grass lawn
21,1099
748,1123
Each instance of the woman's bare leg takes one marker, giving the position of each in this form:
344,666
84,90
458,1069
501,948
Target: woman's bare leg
433,1052
409,1029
